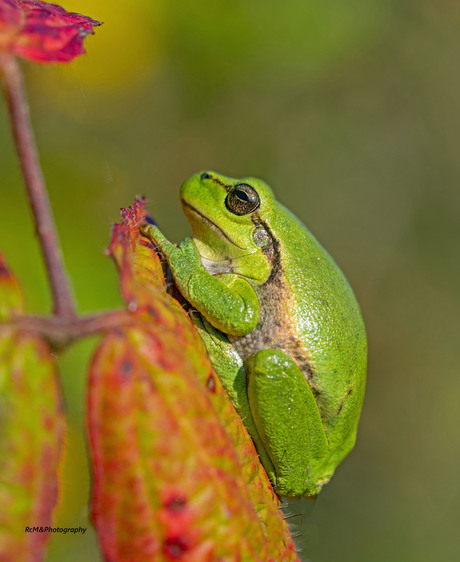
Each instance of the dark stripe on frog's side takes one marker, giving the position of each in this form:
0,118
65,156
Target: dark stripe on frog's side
275,329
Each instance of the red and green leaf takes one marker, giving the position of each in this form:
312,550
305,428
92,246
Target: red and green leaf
167,482
32,431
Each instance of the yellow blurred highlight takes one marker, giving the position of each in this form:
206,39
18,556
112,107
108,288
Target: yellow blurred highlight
124,51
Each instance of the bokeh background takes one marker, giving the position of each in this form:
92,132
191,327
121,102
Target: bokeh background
351,111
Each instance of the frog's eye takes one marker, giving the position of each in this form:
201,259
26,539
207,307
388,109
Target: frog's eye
242,199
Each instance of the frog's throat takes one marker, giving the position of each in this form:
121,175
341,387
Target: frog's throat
203,218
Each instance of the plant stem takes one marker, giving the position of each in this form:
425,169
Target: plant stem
64,306
61,332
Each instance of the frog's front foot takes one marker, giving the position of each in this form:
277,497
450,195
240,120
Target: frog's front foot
153,233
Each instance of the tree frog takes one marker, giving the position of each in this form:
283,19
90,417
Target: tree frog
280,322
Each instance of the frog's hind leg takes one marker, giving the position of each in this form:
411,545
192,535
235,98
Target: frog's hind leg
288,422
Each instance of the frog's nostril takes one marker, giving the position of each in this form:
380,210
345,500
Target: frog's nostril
206,176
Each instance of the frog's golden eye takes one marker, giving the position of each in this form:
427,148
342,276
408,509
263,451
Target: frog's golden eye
242,199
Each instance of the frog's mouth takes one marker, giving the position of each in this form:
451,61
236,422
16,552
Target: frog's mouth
204,219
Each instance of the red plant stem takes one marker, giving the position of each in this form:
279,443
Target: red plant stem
64,306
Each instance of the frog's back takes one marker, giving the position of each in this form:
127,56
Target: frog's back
327,333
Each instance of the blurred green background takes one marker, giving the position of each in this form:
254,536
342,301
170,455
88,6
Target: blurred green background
351,111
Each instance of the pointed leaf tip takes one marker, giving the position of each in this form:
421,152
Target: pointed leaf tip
141,272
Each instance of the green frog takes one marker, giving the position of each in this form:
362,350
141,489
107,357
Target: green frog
280,322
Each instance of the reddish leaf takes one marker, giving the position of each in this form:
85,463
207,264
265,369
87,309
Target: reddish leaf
42,32
155,434
167,482
10,17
